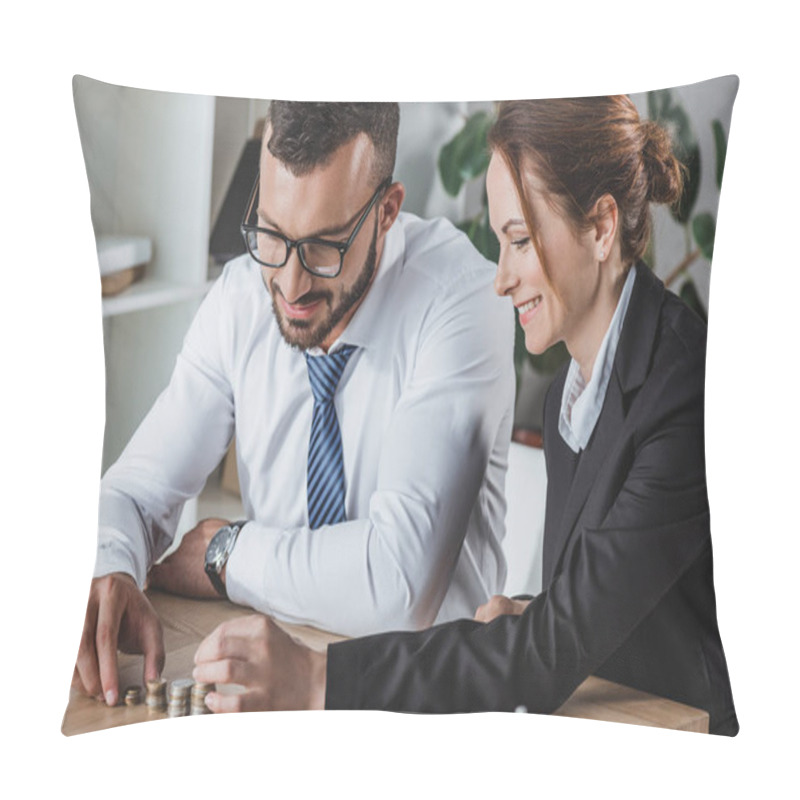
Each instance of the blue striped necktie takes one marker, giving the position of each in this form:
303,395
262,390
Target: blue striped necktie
325,476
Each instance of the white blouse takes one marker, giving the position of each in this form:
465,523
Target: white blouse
581,402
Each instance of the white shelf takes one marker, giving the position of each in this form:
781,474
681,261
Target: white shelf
151,293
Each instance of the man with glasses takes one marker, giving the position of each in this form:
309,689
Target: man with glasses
370,393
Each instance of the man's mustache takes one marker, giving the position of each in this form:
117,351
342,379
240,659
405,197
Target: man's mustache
306,299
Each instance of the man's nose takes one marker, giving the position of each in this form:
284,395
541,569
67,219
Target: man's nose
294,281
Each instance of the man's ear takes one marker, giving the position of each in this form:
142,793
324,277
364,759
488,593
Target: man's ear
389,206
605,214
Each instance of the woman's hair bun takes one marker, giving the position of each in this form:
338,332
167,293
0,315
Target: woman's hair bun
664,169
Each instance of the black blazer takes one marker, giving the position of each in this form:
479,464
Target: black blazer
627,578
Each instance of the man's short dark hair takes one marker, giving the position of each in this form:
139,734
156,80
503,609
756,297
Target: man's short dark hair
305,135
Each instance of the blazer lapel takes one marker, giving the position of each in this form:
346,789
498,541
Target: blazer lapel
631,365
605,438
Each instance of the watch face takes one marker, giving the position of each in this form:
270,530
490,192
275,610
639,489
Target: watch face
218,545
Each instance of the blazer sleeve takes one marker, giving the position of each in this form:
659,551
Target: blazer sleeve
614,573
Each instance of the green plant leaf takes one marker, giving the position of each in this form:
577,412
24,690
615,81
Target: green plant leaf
691,186
690,296
721,147
704,228
659,103
481,235
466,155
469,226
448,169
486,241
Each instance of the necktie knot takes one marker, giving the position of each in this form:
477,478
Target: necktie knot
325,372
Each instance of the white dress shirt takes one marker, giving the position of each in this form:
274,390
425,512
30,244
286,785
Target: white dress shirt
425,407
581,402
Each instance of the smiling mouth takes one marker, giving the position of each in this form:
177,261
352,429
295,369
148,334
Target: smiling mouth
530,305
528,310
299,310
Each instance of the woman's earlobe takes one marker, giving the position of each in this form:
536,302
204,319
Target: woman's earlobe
606,215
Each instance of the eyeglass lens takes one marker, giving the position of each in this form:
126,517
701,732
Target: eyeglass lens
273,251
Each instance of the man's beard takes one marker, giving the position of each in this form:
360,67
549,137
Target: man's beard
305,334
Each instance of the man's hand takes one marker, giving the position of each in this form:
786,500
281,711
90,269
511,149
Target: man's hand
118,615
498,605
277,672
183,572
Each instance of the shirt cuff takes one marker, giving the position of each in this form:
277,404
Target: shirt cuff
245,571
115,555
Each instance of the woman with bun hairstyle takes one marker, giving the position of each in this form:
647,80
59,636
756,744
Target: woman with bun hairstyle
627,577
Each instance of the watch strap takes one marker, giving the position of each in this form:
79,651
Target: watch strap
216,581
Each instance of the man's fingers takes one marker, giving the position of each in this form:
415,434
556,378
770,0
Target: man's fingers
108,621
153,649
86,664
77,683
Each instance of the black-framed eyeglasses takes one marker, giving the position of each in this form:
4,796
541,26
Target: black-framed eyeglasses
321,257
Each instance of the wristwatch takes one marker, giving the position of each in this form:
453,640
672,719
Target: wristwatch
219,551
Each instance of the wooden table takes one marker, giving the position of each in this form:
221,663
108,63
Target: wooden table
186,622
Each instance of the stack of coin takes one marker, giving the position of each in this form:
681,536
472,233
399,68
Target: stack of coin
156,698
199,692
133,696
179,690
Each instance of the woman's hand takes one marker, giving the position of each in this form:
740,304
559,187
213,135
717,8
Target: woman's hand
277,672
498,605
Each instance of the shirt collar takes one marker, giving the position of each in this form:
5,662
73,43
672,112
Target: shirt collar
581,403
